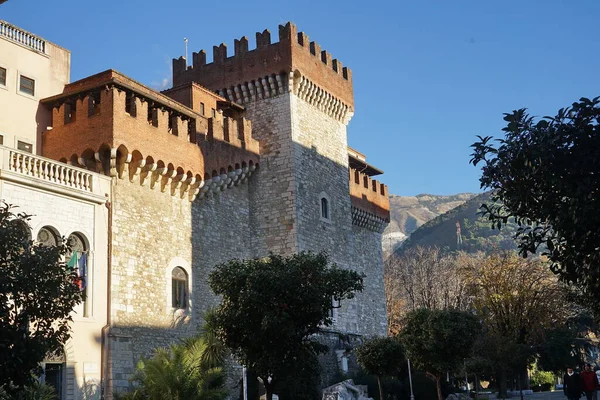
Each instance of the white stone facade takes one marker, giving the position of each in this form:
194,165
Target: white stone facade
66,208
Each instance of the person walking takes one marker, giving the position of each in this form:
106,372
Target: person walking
572,385
589,382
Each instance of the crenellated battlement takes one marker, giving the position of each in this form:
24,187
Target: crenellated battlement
369,195
293,52
111,111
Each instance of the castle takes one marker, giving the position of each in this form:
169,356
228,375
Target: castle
243,156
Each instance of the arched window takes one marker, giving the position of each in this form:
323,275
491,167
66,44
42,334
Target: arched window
179,288
77,259
325,207
47,236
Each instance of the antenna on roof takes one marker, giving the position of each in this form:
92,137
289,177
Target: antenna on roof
185,41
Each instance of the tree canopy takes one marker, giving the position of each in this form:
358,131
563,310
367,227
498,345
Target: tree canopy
381,356
437,341
545,175
271,307
38,292
422,277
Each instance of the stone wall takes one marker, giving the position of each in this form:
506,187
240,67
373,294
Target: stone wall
153,232
365,247
273,206
321,169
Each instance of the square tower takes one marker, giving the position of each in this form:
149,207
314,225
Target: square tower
300,101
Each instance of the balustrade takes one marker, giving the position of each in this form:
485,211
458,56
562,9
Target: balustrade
22,37
47,170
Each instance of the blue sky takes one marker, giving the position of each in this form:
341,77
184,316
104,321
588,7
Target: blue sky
428,75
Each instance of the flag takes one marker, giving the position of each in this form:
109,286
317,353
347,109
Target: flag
73,261
82,270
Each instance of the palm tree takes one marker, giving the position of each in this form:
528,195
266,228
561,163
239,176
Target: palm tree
181,372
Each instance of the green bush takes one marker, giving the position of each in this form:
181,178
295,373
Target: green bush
541,381
35,391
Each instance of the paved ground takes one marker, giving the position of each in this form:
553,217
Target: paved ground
547,396
543,396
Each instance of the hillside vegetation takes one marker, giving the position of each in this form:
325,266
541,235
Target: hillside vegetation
476,232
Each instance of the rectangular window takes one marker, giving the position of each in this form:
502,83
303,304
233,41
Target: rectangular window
27,85
2,76
202,108
213,112
24,146
1,139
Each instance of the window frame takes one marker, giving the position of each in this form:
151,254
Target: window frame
87,304
168,299
20,87
19,141
5,84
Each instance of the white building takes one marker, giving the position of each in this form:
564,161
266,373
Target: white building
64,201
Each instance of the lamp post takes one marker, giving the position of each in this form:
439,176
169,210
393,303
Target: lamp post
245,384
412,396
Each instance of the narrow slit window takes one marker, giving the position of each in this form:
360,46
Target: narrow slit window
324,208
2,76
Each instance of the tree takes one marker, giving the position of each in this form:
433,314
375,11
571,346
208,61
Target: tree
545,175
381,356
182,371
422,277
38,292
519,301
272,306
437,341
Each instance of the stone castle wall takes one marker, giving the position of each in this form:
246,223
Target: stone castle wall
273,205
153,232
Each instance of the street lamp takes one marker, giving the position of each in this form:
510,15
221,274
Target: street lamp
412,396
245,382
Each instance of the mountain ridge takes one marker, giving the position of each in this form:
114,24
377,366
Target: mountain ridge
408,213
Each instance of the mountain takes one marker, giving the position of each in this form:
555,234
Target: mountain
476,233
410,212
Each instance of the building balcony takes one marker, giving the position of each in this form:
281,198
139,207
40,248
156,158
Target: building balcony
46,174
22,37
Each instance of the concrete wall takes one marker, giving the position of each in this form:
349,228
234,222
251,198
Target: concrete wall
22,117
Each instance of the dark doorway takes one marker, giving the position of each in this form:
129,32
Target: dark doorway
53,376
